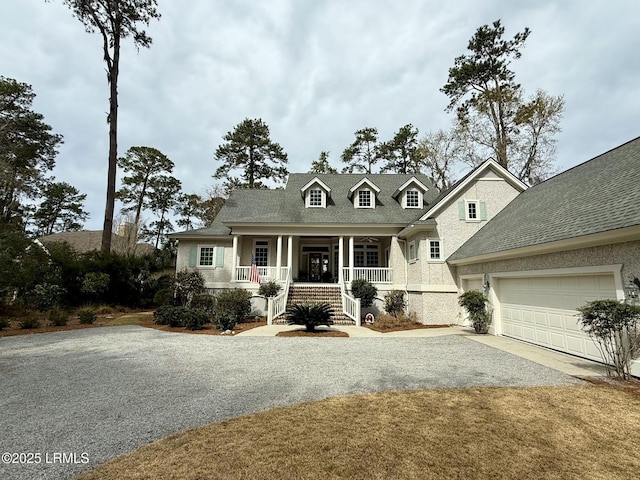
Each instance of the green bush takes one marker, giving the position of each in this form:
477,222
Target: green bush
95,284
310,316
58,317
475,302
615,330
232,306
394,302
87,316
45,296
29,322
205,303
188,284
365,291
170,315
4,323
195,319
270,288
163,297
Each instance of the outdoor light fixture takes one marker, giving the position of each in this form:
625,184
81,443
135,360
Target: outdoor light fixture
632,290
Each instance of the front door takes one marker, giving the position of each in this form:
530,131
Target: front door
315,267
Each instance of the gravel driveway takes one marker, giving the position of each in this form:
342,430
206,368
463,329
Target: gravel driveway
106,391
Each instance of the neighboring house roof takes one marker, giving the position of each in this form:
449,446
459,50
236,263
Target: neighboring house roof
286,207
600,195
216,229
90,240
452,192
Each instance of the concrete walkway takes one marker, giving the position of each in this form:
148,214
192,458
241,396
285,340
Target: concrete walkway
569,364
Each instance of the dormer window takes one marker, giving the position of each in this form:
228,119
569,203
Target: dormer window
364,199
315,197
363,194
411,193
412,199
315,194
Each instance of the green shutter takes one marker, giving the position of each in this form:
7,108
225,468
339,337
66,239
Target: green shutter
483,211
461,214
219,256
193,255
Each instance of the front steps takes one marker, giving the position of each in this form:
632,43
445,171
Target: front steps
311,294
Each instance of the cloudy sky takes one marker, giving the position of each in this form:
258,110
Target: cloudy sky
315,71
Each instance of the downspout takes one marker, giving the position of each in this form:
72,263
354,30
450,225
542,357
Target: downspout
406,272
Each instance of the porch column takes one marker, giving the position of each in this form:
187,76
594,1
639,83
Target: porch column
351,256
234,257
290,255
340,259
278,257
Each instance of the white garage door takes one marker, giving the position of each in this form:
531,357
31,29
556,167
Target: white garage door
542,310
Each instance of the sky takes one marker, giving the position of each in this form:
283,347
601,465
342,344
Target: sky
315,71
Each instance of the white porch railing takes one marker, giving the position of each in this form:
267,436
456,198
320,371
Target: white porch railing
266,273
370,274
350,306
277,305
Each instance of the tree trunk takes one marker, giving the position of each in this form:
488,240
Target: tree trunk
113,149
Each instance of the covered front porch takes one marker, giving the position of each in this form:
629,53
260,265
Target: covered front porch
314,259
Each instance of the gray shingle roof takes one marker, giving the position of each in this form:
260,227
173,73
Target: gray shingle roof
600,195
216,229
287,206
90,240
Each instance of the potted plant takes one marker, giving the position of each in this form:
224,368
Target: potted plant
475,303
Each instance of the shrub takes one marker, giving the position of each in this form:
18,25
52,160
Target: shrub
363,290
87,316
58,317
194,319
270,288
170,315
29,322
475,302
310,315
163,297
205,303
95,284
232,306
46,295
394,303
4,323
615,329
188,283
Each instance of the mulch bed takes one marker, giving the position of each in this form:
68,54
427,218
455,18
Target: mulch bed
317,333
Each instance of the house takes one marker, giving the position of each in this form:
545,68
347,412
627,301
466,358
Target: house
323,230
571,239
91,240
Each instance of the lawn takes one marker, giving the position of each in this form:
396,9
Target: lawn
478,433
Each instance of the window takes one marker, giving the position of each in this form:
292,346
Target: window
435,252
315,197
472,210
365,256
206,257
364,199
413,251
412,199
261,255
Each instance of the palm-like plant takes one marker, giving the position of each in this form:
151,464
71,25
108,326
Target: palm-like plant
310,315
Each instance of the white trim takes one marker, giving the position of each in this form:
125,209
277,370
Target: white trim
405,198
490,163
319,182
323,198
360,183
466,211
441,258
372,199
213,256
413,180
268,246
416,253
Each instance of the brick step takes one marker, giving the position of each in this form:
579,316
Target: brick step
311,295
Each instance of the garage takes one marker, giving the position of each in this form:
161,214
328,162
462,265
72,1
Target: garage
542,309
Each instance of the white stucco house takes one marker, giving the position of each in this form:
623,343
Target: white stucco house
538,252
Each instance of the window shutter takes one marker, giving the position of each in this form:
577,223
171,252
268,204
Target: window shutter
193,256
483,211
219,256
461,214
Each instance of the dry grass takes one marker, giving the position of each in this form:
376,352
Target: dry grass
387,323
481,433
318,333
113,318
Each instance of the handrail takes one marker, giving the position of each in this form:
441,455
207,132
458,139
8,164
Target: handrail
370,274
350,305
277,305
